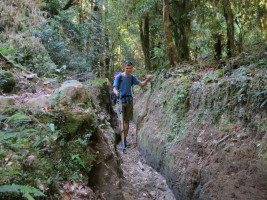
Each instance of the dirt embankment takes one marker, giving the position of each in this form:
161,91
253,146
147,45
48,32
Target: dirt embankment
207,141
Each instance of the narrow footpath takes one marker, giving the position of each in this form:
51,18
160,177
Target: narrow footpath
142,182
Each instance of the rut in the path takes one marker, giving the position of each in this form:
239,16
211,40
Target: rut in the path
142,182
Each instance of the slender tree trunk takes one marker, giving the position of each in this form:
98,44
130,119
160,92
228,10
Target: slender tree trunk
145,40
107,54
168,35
229,17
262,10
81,17
218,46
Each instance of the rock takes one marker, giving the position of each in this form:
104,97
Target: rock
40,102
199,140
153,193
6,101
73,91
75,121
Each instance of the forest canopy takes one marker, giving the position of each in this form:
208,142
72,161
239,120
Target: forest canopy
46,36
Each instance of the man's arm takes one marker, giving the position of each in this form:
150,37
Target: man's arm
144,82
115,90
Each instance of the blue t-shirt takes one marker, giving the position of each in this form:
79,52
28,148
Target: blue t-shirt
124,83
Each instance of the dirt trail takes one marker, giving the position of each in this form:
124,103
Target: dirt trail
141,184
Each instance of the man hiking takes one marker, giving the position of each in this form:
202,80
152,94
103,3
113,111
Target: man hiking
122,89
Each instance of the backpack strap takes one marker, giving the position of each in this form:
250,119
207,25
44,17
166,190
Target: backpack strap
132,83
120,75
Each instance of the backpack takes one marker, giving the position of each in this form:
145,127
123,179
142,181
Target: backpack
113,96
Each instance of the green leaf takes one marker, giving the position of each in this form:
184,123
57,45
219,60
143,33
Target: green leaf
8,173
260,93
3,117
18,117
25,189
5,136
52,127
28,196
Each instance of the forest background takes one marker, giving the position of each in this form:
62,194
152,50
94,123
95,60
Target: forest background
51,36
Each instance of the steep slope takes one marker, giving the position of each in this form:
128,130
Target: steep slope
205,131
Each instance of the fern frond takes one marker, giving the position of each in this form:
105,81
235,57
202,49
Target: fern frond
3,117
24,189
18,117
9,173
28,196
7,135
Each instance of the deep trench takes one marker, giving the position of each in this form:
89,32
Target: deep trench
136,179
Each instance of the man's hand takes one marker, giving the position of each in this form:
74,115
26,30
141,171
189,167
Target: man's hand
116,92
149,77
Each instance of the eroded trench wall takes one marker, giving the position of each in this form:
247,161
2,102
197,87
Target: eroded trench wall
207,142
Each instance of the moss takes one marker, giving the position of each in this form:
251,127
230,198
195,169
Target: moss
7,81
45,117
75,120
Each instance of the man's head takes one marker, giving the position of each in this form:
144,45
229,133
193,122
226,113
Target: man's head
128,67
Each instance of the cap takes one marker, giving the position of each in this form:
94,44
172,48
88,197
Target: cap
128,63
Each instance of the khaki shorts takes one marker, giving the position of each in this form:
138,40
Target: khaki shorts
127,110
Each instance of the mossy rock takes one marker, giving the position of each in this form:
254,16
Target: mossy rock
75,122
7,82
46,118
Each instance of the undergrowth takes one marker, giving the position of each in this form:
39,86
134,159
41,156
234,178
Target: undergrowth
233,94
33,149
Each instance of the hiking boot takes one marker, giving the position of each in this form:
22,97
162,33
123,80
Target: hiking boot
121,148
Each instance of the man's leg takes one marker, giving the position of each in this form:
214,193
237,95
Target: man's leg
126,128
127,115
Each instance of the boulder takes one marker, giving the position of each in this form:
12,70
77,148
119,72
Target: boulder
73,91
40,102
6,101
76,121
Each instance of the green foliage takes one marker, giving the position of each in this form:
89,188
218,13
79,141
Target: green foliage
210,78
262,63
98,82
72,44
8,173
41,64
52,6
27,191
18,117
53,158
57,99
4,136
10,52
7,81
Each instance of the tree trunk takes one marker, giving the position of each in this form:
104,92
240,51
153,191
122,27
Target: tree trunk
262,10
168,35
182,27
218,46
229,17
145,40
70,4
81,17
